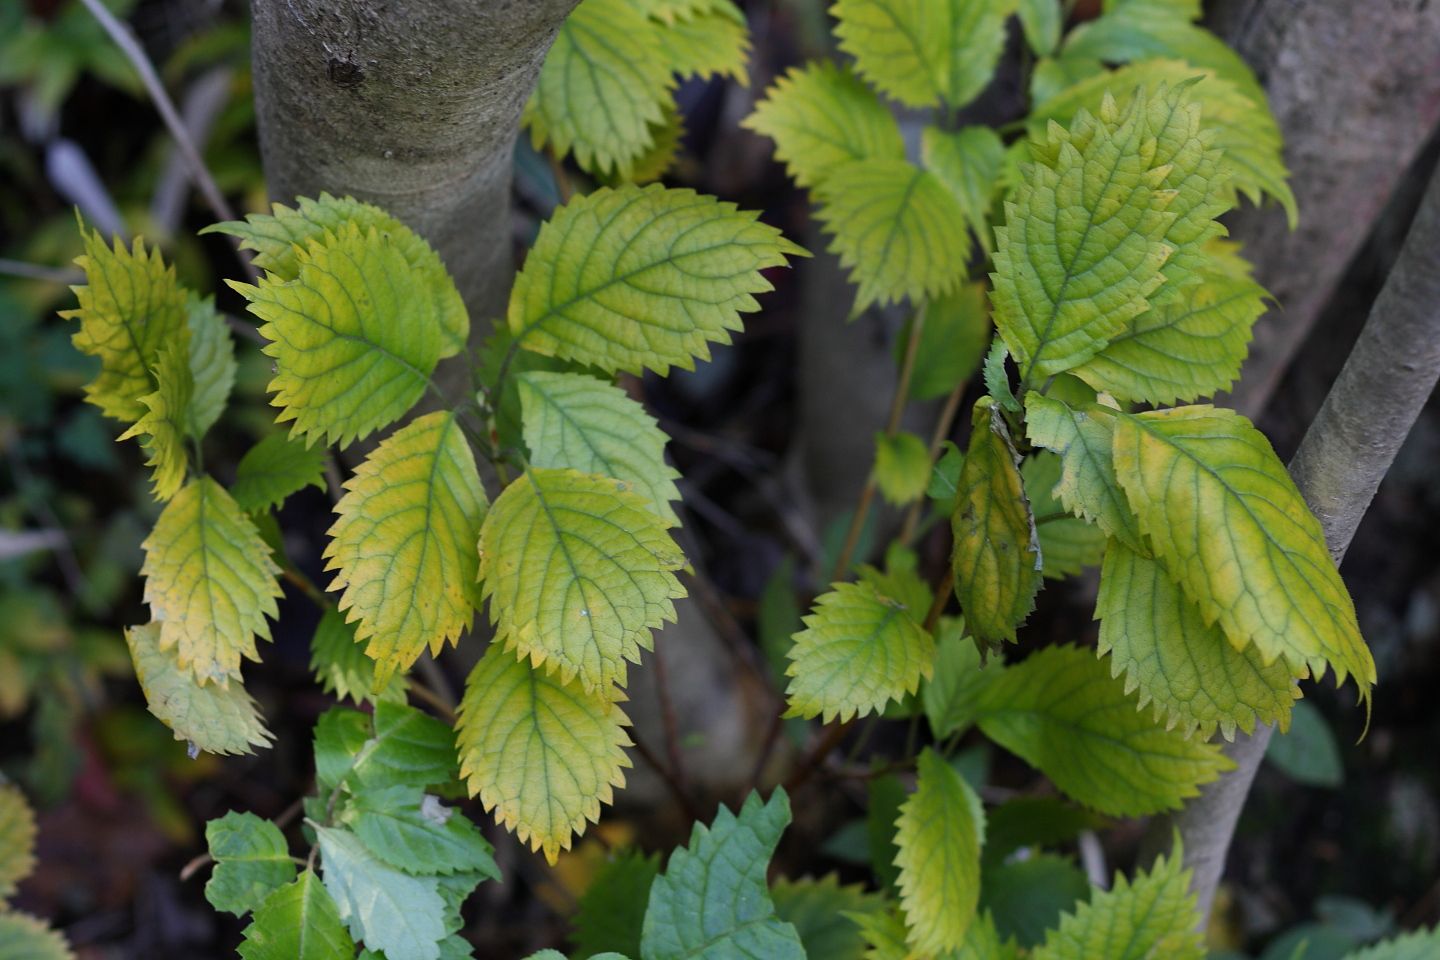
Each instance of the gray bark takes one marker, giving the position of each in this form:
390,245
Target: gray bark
1355,87
413,106
1350,445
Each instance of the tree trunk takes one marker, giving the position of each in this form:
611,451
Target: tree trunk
413,106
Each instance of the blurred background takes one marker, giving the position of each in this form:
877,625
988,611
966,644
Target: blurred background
1340,842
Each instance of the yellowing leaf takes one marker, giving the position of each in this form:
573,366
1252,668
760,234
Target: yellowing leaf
1187,669
577,569
1062,712
605,82
1228,524
902,467
166,419
17,839
214,718
541,753
924,52
130,307
968,161
275,468
23,937
939,834
858,651
996,559
1067,544
212,365
281,238
209,581
822,116
1153,916
403,543
709,40
641,277
571,420
355,335
896,228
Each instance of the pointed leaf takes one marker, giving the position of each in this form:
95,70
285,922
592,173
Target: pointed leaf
902,467
858,651
952,695
251,859
823,912
209,581
712,902
541,753
212,365
403,543
642,277
412,831
939,833
969,162
275,468
578,572
23,937
1061,711
404,747
390,911
1027,897
166,419
297,922
709,40
340,665
17,839
1417,945
1042,21
611,912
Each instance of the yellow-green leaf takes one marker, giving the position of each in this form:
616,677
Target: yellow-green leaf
939,835
209,581
924,52
902,467
1063,713
541,753
858,651
996,559
275,468
708,40
968,161
17,839
1229,525
572,420
403,543
23,937
822,116
130,306
281,237
214,718
1067,544
342,667
167,417
897,229
355,334
1041,20
952,342
606,80
641,277
578,571
1183,667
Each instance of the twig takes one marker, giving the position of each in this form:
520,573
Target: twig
422,692
35,271
676,790
667,716
942,598
816,757
438,684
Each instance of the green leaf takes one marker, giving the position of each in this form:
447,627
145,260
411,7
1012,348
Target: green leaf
901,581
212,365
577,569
822,116
968,161
1417,945
1082,246
611,912
1190,346
712,900
23,937
405,747
924,52
896,228
997,377
996,558
130,307
606,80
1152,916
1035,822
297,922
281,238
17,839
390,911
163,427
885,795
340,665
822,912
275,468
354,336
412,831
858,651
885,932
1054,75
952,695
1227,522
586,424
1042,21
542,754
952,342
1307,752
1027,897
708,40
1067,544
939,833
946,477
209,581
902,467
403,543
1084,441
214,718
251,860
1061,711
641,277
1186,668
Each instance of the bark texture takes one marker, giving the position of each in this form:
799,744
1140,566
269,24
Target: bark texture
411,105
1346,452
1355,87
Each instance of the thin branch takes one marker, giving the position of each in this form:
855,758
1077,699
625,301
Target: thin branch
667,716
35,271
676,789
